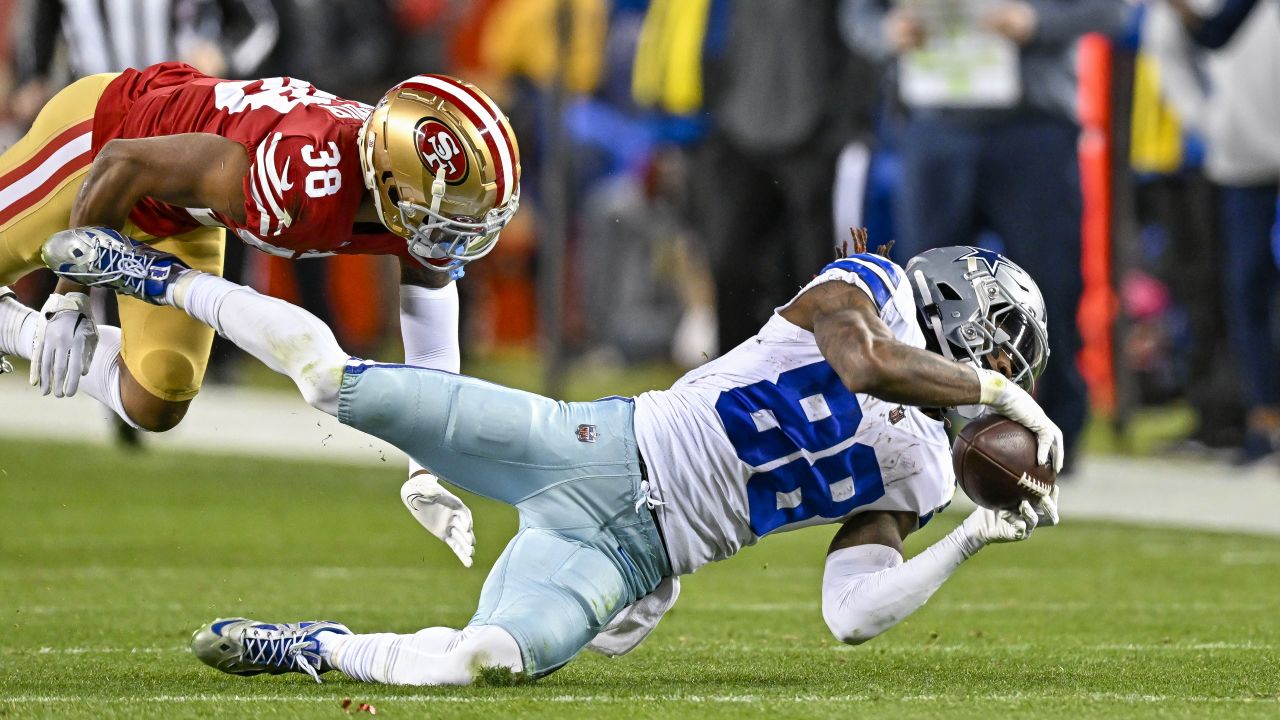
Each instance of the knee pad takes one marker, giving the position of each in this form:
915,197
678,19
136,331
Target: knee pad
484,647
165,373
444,656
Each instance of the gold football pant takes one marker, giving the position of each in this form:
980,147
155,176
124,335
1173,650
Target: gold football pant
164,350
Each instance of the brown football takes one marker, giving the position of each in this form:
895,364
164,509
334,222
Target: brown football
995,463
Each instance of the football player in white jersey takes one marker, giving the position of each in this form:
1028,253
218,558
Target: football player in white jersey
817,419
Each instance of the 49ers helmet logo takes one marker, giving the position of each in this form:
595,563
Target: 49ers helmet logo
438,147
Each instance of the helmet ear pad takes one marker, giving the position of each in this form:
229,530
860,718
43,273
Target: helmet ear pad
928,314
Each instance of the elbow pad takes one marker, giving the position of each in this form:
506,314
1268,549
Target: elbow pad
854,601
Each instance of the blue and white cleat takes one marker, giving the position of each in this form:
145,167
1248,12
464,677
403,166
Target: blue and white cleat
102,257
239,646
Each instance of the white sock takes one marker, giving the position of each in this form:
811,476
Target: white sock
435,656
102,382
285,337
17,328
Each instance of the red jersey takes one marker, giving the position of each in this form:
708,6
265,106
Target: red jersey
304,182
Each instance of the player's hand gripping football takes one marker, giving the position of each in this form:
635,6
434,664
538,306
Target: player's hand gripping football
1005,397
1001,526
65,342
442,513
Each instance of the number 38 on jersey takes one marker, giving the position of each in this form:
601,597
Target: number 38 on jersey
325,178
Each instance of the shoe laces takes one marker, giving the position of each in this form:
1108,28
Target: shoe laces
118,263
285,649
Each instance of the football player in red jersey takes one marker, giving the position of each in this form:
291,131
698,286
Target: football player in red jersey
176,159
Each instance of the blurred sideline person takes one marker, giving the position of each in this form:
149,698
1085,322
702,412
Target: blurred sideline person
1013,170
782,100
814,420
1236,114
232,37
177,158
1213,29
647,292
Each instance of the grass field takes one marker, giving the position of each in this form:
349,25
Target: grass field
109,561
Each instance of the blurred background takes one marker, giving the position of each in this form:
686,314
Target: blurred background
688,164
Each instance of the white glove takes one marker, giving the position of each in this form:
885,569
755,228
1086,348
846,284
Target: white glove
65,342
441,512
1005,397
1047,509
985,526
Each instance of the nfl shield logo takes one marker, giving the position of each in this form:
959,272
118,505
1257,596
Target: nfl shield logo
896,415
587,433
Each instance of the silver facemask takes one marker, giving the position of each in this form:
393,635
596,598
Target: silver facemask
447,244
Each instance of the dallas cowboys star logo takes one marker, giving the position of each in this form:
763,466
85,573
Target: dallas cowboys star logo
991,258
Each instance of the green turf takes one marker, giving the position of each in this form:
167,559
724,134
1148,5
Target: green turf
108,562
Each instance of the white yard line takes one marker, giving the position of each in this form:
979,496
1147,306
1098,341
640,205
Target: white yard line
278,424
101,651
505,698
890,649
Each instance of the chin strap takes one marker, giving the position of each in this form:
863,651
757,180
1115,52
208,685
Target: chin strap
437,191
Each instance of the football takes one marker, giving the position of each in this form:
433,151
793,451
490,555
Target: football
995,463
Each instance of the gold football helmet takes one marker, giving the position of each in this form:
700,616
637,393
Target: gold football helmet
444,169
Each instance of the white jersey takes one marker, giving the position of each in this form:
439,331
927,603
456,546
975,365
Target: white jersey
767,439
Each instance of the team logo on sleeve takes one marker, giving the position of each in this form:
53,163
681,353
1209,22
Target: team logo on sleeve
439,148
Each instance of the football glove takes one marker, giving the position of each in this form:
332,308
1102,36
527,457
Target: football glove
1006,398
1047,509
441,512
65,341
984,526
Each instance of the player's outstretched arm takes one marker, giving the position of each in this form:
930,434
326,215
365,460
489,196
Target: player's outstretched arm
189,170
867,588
429,328
869,359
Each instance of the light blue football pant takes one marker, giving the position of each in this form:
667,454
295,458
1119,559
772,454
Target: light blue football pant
584,551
